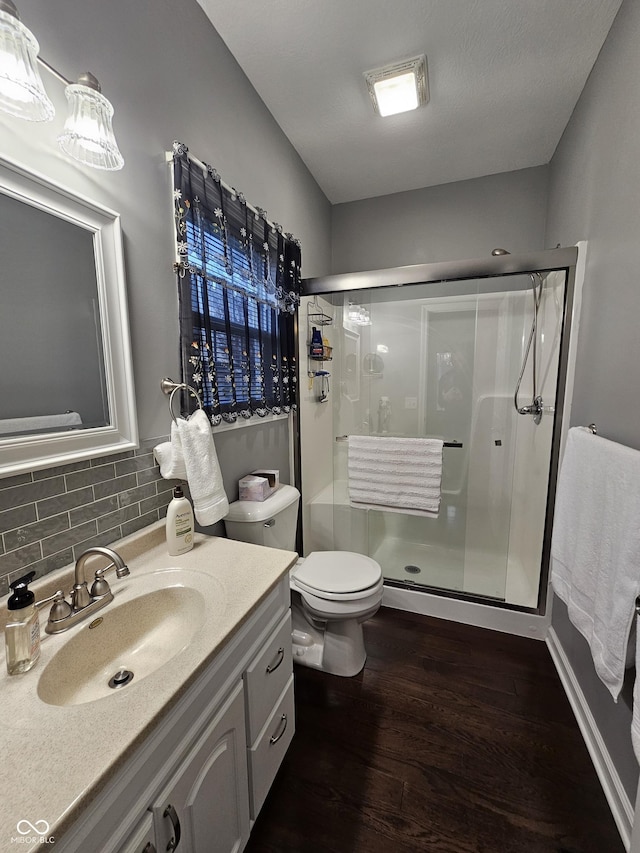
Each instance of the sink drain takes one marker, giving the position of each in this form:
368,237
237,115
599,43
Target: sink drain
122,677
413,570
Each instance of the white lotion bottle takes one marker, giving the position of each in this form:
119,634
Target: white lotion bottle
180,525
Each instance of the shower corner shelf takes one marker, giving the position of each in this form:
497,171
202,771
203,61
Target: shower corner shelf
315,363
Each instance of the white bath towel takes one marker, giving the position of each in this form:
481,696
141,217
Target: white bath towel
595,548
395,474
191,455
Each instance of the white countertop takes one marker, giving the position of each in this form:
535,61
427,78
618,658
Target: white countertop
55,759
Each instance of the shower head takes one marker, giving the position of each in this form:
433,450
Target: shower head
500,252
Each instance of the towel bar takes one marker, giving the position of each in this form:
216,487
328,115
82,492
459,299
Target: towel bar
445,444
169,387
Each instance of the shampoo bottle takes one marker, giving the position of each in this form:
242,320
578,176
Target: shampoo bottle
180,525
22,634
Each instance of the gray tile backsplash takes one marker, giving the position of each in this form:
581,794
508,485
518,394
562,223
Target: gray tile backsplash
47,518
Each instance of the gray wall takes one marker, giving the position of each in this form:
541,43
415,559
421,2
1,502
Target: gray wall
450,222
169,76
595,196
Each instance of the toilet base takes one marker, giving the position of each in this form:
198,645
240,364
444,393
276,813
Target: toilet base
338,648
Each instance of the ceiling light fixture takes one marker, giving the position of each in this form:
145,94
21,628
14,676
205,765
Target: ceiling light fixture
399,87
88,135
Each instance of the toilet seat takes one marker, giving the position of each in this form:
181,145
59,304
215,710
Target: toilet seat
338,576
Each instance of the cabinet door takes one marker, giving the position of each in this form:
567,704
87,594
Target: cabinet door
205,807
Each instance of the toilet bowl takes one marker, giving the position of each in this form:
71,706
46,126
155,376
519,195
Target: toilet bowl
332,592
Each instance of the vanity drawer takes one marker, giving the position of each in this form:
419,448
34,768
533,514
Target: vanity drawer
266,755
266,677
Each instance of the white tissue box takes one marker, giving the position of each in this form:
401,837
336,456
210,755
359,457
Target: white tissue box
254,488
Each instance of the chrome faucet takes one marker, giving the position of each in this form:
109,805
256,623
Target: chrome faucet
84,602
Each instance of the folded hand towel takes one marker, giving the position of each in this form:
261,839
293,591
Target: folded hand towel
203,473
395,474
595,547
170,458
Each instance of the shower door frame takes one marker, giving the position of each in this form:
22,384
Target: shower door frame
552,260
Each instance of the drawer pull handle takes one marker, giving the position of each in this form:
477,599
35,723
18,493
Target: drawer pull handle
273,666
170,812
283,722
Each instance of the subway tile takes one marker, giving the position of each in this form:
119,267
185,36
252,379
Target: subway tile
16,480
150,475
93,510
90,476
116,457
21,558
4,585
135,463
64,502
28,533
139,523
100,539
139,493
69,538
52,562
60,469
11,518
114,487
152,503
30,492
121,516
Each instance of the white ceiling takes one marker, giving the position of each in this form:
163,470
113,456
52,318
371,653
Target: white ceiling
504,77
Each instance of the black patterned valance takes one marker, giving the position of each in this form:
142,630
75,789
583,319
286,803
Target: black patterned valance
239,287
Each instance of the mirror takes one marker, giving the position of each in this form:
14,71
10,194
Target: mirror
66,385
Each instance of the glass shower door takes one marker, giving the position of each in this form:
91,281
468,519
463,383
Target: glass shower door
442,361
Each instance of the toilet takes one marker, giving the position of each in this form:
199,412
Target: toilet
332,592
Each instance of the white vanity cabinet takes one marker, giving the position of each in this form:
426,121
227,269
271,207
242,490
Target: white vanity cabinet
205,805
201,775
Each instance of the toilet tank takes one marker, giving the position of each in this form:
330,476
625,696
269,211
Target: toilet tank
271,522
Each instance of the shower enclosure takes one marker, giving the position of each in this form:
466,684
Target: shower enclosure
474,353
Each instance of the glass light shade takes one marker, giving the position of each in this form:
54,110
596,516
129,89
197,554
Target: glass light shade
397,94
22,93
88,135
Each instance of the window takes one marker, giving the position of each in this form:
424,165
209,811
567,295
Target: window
239,286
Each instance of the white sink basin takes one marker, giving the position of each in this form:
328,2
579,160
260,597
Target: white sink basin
153,618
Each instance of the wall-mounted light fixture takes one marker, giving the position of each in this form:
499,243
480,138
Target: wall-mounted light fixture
88,135
400,87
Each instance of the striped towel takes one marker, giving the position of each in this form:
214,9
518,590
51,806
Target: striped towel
395,474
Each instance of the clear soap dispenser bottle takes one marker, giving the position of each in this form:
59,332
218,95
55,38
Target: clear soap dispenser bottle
22,634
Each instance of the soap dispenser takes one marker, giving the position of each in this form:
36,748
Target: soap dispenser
22,634
179,524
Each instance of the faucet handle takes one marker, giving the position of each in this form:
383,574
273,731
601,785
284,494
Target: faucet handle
60,608
100,586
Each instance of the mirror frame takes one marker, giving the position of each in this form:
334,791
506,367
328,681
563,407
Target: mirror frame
19,454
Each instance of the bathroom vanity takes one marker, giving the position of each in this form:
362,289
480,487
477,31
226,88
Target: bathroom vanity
184,755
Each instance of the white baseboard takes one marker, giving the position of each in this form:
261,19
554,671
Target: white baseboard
619,803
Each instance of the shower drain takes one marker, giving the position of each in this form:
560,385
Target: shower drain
413,570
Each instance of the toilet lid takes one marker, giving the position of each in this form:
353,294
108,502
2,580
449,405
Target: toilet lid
338,572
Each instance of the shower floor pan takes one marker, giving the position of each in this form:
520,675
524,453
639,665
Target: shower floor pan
474,572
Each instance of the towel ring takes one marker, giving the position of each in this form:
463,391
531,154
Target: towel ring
170,387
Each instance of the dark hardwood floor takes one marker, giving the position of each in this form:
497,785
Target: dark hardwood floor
453,739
